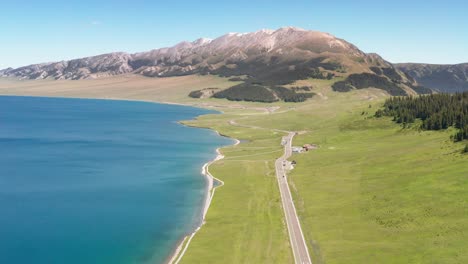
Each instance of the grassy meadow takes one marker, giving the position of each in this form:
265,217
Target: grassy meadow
372,192
245,220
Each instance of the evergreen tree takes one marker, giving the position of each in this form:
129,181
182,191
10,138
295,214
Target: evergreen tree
437,112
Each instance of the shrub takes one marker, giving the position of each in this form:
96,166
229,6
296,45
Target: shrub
196,94
289,95
301,88
465,150
342,86
235,79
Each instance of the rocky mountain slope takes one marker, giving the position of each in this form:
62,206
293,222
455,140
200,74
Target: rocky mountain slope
265,57
85,68
443,78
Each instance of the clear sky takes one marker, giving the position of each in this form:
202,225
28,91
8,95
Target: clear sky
399,30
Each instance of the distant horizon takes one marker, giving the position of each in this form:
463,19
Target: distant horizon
400,31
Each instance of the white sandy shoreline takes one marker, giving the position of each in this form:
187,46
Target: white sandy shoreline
183,246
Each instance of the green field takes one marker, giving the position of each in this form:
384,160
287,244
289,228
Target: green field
372,193
245,222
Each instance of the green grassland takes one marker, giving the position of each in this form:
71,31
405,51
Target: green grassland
245,222
372,193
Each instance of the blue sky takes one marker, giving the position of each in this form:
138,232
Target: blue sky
401,31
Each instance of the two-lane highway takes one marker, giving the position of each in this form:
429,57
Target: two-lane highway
298,244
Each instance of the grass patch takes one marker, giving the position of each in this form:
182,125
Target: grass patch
376,193
245,221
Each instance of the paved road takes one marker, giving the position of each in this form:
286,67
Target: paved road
298,244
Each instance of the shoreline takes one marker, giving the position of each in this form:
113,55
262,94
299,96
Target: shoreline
182,247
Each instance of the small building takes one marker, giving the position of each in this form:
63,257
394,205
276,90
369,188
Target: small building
297,149
308,147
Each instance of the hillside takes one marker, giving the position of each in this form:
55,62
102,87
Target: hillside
266,58
443,78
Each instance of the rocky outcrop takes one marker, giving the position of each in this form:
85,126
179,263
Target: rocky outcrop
90,67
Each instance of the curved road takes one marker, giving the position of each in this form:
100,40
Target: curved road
298,244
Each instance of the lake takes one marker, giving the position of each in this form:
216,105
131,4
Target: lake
98,181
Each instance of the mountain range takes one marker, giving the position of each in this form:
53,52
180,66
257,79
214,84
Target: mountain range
263,58
442,78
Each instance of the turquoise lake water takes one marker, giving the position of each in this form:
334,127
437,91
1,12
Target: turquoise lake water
98,181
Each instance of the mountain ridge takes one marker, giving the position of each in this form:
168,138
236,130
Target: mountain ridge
237,47
440,77
265,57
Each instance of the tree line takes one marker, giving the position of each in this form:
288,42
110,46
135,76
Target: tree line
247,92
437,112
255,92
